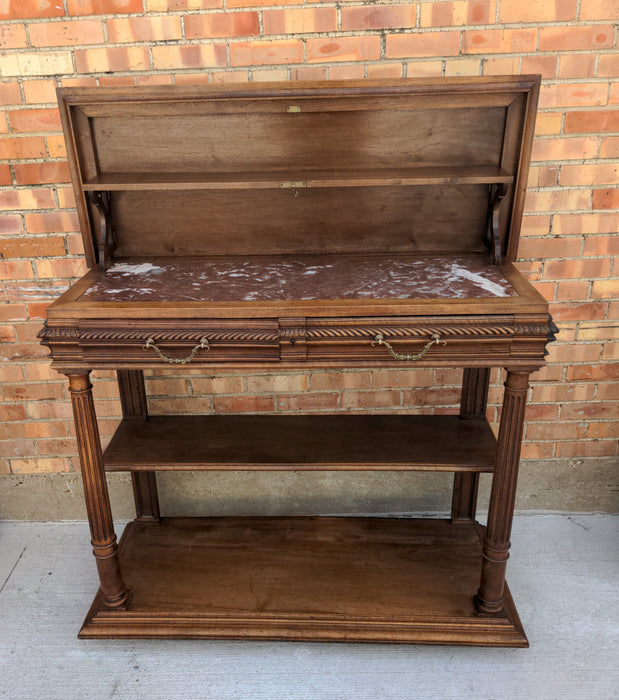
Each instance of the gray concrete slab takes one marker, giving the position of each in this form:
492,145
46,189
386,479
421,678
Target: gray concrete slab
563,574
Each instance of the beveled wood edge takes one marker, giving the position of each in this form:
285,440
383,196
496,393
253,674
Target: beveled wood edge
68,305
504,630
337,88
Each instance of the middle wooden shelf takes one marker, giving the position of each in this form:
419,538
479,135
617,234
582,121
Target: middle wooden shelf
292,442
376,177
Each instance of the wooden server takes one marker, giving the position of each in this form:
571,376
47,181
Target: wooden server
302,226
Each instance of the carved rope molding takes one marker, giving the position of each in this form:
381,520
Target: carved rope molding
48,334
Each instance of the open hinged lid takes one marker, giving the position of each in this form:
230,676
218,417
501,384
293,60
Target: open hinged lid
411,167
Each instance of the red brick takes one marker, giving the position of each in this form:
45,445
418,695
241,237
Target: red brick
385,70
56,146
580,411
11,223
499,41
371,399
52,222
30,9
307,402
537,450
31,247
591,121
40,91
321,381
23,120
299,21
576,38
603,430
378,17
104,7
117,80
262,3
11,413
112,59
577,66
601,245
586,448
604,289
38,430
188,56
36,466
546,66
606,199
460,12
556,431
513,11
402,379
347,72
344,49
608,65
10,93
589,174
592,310
13,36
571,224
5,175
573,95
557,200
593,372
128,30
548,123
64,267
26,199
576,269
176,5
222,24
598,9
573,291
74,33
423,44
265,53
545,248
39,173
33,392
535,225
243,404
308,73
609,148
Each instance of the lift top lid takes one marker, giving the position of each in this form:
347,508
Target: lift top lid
398,166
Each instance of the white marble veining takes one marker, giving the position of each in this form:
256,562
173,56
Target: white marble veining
302,278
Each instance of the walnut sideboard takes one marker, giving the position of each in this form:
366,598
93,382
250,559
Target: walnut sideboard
294,226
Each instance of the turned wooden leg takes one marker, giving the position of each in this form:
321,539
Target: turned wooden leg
473,401
97,499
133,400
489,598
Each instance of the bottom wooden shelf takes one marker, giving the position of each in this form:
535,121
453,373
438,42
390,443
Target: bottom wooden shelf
314,578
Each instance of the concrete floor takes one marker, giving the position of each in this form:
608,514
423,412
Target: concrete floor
563,575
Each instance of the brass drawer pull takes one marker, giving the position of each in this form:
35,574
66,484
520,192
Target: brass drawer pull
379,339
203,345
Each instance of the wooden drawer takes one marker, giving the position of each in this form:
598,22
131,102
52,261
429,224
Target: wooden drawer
431,340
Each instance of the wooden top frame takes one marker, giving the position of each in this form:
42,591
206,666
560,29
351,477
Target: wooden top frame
403,166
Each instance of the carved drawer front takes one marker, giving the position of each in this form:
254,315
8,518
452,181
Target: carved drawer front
407,340
177,343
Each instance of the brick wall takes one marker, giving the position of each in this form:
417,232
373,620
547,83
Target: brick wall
569,235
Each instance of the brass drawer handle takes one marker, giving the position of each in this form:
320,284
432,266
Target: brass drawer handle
379,339
203,345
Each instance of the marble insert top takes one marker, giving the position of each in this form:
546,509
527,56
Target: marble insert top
293,278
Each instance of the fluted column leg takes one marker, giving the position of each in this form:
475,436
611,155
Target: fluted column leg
489,598
96,495
133,400
474,399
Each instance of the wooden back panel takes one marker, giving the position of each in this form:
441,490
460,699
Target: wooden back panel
289,131
439,219
336,140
